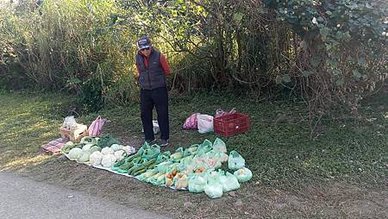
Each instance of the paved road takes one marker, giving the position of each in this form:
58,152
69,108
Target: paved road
23,198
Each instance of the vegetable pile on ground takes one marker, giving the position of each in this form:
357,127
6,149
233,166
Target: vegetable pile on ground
204,167
101,151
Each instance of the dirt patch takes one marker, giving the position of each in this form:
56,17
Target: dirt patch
251,201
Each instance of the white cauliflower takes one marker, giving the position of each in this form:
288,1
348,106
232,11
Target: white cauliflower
116,147
95,158
120,154
129,149
107,150
108,160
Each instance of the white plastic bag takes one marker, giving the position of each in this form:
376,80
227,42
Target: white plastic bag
155,128
205,123
69,123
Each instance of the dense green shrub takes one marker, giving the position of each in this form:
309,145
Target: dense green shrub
330,53
343,55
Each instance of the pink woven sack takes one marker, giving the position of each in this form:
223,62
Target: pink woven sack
54,146
95,128
191,122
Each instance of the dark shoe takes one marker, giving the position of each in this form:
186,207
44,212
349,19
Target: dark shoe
163,143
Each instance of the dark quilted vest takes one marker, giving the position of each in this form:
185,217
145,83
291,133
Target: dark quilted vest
151,77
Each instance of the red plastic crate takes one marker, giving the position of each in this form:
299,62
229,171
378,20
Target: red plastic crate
231,124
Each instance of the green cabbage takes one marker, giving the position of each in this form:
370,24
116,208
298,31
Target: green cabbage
75,153
84,157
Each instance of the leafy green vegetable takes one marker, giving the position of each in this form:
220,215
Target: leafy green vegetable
106,141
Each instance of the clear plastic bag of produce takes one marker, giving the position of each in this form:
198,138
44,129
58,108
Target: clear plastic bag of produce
151,151
192,150
235,161
211,161
197,183
181,181
243,174
203,148
219,145
213,188
177,155
157,179
229,182
219,156
164,166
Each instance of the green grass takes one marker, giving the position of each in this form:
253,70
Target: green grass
27,121
278,148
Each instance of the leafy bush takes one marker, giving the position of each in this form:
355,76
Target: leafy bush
330,53
342,56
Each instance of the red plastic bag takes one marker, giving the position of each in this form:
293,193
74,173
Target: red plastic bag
95,128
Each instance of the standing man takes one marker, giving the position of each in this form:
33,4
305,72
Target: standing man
152,68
